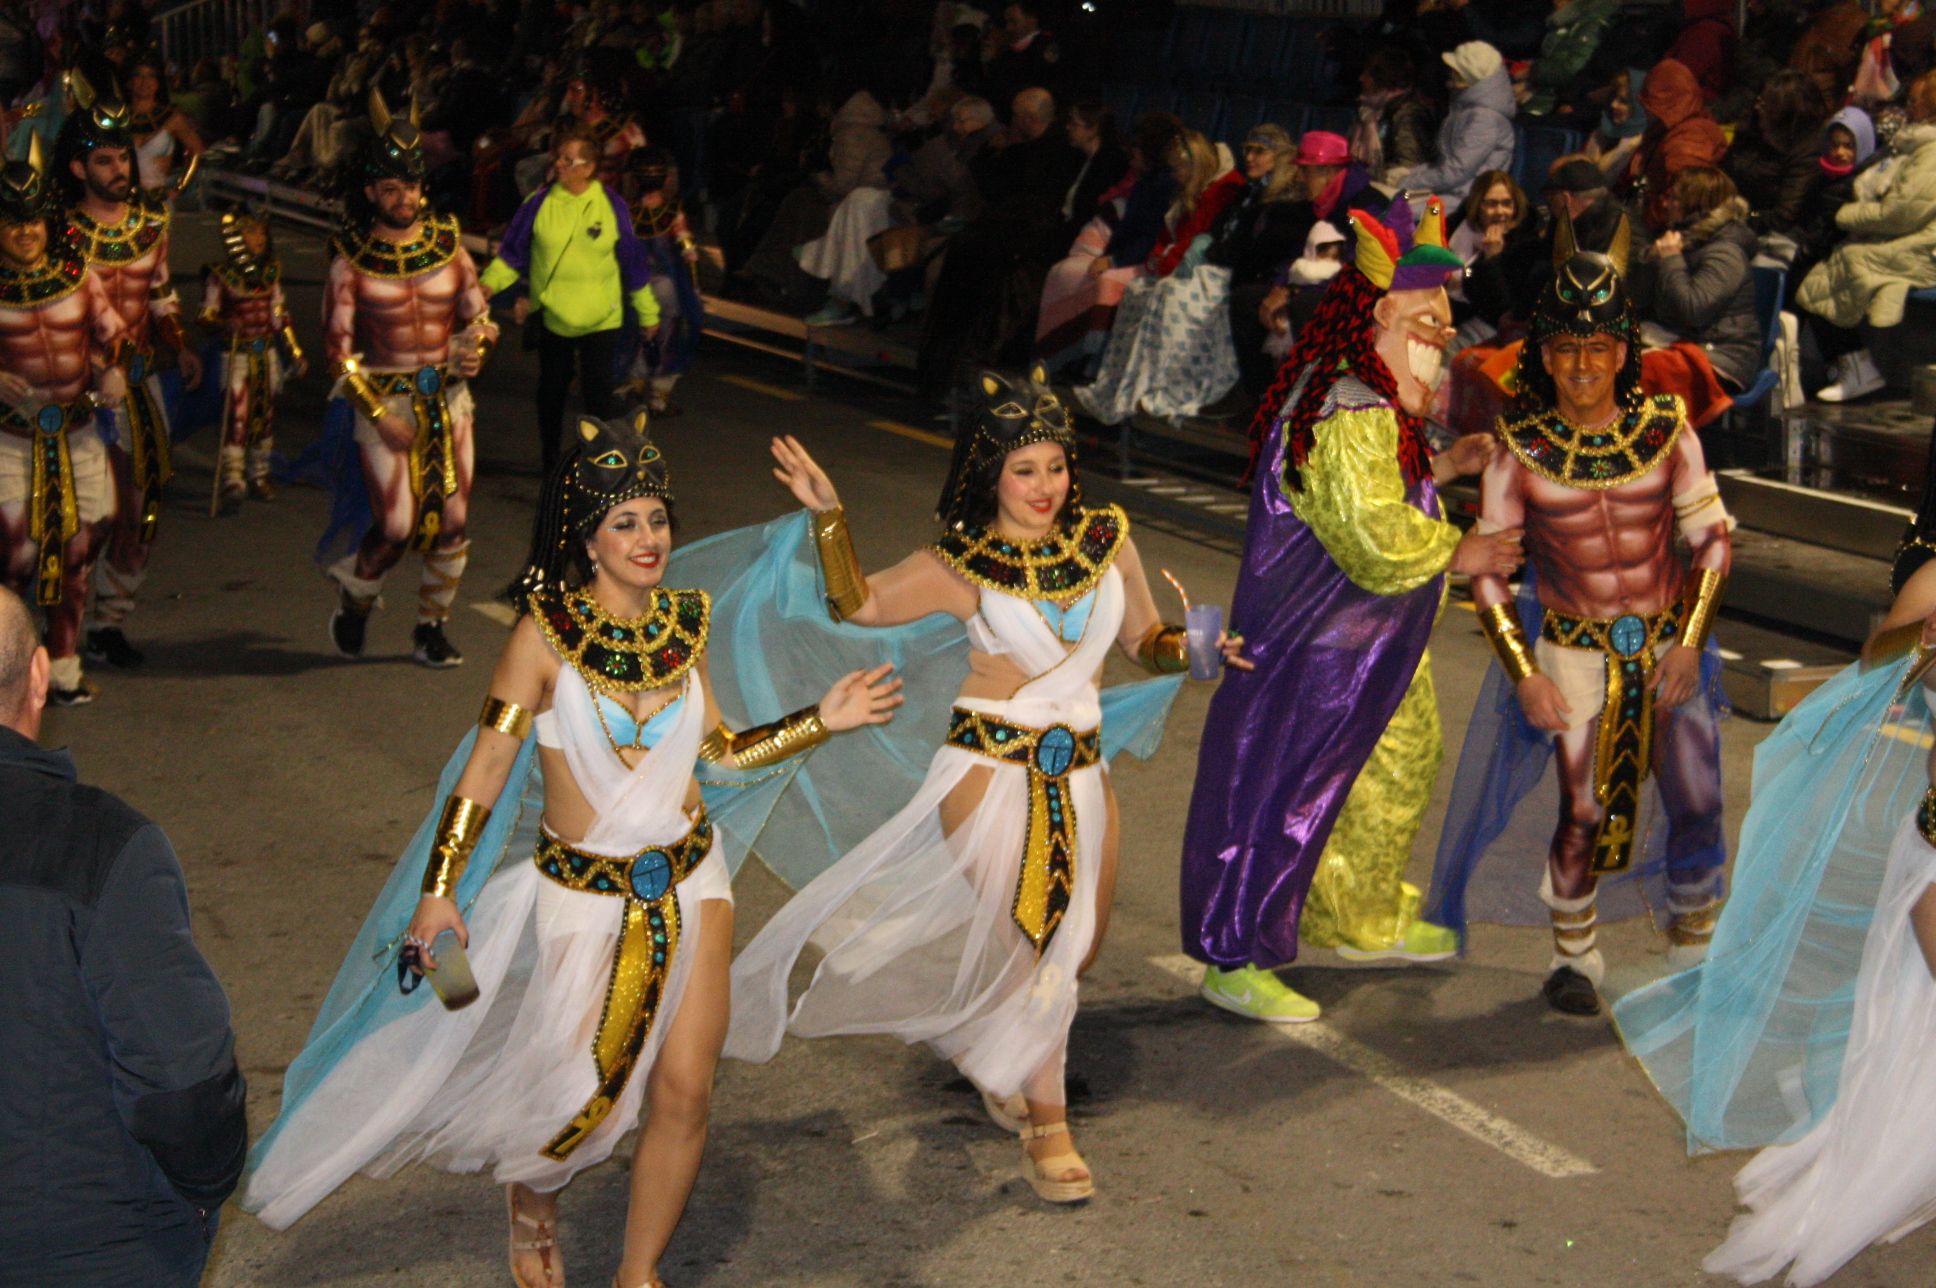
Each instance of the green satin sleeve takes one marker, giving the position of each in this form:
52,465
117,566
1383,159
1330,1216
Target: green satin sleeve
1353,498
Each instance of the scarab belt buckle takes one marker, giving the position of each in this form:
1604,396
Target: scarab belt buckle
429,380
1055,750
1628,635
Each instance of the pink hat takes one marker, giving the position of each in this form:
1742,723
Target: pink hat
1321,147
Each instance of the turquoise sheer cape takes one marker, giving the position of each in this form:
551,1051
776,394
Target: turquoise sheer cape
772,650
1748,1045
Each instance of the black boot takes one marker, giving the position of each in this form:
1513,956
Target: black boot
1571,993
433,648
347,626
108,644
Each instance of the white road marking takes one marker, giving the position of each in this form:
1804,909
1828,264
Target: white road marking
497,611
1508,1137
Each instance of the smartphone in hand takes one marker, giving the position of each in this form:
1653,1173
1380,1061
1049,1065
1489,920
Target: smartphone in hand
456,986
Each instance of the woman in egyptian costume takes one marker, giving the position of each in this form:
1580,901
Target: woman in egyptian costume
965,920
1809,1032
601,962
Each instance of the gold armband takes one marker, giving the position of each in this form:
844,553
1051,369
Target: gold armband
1897,641
450,849
839,566
188,173
289,342
210,318
505,717
485,341
361,391
766,744
1703,601
1501,625
1165,649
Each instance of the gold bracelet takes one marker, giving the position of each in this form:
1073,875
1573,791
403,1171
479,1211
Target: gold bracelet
766,744
458,828
361,391
1703,600
485,342
210,318
847,587
1501,625
1165,649
505,717
1897,641
291,343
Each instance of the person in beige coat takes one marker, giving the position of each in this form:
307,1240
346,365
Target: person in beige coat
1890,251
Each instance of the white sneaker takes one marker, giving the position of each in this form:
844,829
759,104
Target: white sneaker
1856,377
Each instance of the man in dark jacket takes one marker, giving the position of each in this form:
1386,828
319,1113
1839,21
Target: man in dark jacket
121,1107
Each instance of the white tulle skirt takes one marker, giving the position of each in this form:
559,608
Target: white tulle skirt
918,938
490,1085
1865,1173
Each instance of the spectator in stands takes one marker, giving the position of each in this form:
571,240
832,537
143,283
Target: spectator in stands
1830,45
1171,352
1891,250
160,130
957,74
573,247
1477,134
330,130
1091,130
1775,159
1847,145
1498,239
858,150
1393,134
1080,293
1575,32
208,100
1019,54
121,1104
935,186
295,79
1705,43
989,282
1680,134
1695,279
1622,124
1258,241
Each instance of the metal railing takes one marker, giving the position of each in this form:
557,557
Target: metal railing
212,28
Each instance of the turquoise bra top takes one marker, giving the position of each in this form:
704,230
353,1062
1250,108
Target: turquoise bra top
626,731
1068,623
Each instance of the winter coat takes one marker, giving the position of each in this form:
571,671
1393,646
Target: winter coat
1204,217
1705,45
1498,286
1682,135
1706,293
859,151
1772,180
1260,237
1892,238
1477,136
1573,35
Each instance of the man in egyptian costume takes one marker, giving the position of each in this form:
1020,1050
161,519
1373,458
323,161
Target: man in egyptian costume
1601,477
60,338
399,287
1316,767
242,300
122,231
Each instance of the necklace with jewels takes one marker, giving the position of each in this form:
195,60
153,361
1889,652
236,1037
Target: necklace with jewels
626,655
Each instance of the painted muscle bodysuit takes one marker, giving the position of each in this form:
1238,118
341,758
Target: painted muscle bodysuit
244,301
130,256
393,309
58,329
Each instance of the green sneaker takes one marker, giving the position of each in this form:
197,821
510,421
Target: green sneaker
1257,994
1421,942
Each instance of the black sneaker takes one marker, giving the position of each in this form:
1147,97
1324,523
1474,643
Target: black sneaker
1571,993
433,648
347,626
78,696
108,644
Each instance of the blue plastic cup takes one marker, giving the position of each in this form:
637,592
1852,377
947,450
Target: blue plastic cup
1203,624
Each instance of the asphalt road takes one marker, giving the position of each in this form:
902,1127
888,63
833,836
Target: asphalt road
1439,1127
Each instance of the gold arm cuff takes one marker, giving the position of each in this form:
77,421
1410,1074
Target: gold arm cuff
188,173
847,586
1165,649
458,828
171,332
292,344
361,391
1501,625
1703,600
485,342
505,717
1897,641
210,318
766,744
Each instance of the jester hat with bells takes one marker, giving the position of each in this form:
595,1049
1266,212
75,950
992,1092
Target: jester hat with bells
1342,336
1013,414
1587,297
605,464
26,195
